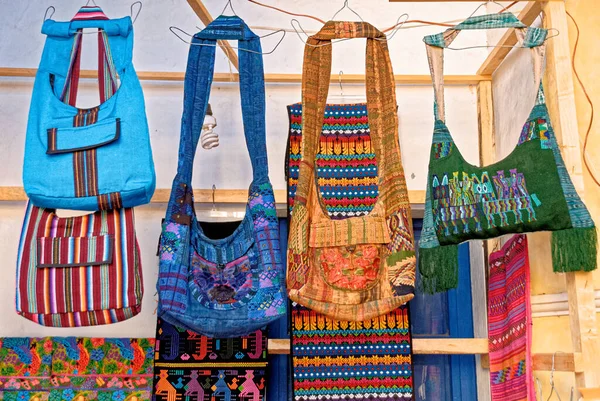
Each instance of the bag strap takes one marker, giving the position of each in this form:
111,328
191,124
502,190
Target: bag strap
107,74
197,86
530,37
381,104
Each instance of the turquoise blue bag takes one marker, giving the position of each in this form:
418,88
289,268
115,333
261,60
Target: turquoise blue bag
88,159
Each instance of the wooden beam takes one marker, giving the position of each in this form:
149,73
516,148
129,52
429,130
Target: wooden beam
561,104
461,1
420,346
279,78
563,362
498,54
202,13
233,196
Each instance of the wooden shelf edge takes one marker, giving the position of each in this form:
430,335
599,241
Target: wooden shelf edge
420,346
401,79
231,196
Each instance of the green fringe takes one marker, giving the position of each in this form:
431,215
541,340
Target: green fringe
574,249
438,268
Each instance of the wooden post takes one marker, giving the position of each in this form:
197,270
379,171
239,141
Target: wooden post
480,250
561,104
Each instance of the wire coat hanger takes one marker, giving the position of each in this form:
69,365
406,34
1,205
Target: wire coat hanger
552,387
395,29
173,30
133,19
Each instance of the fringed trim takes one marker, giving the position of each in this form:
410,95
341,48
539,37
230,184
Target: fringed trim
574,249
438,267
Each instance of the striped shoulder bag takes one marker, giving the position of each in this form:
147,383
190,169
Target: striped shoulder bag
78,271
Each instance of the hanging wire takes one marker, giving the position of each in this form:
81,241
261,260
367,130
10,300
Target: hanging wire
589,100
138,13
46,16
230,6
173,30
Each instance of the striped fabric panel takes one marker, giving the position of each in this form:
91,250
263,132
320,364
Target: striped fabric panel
52,139
89,13
81,295
363,230
74,251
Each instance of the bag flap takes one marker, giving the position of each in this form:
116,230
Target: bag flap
67,140
75,251
351,231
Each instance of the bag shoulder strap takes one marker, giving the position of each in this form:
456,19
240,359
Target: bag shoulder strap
529,37
197,86
381,106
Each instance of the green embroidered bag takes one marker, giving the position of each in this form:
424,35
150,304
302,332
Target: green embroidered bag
529,190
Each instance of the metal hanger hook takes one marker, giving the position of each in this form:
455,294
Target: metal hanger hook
485,3
349,8
92,1
230,6
46,16
340,82
138,12
214,205
398,26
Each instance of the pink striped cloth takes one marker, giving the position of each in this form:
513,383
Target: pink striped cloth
509,323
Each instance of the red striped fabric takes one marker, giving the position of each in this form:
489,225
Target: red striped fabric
87,292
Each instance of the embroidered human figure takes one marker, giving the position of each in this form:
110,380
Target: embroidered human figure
164,387
193,387
221,388
249,388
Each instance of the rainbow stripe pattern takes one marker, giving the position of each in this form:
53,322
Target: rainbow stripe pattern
78,271
346,163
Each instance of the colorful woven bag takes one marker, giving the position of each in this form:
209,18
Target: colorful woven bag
529,190
88,159
359,267
232,286
78,271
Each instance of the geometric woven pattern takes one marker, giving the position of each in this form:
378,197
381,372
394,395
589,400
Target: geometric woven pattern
509,315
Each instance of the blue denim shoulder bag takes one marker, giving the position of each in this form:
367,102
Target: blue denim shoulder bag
88,159
232,286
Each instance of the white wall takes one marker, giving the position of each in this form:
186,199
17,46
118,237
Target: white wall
156,49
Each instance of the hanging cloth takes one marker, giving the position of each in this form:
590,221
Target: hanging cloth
190,366
360,267
509,322
231,286
529,190
335,359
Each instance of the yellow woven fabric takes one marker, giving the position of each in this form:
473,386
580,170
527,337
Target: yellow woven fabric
360,267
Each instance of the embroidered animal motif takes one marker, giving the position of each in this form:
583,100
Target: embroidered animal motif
169,333
256,339
202,345
462,199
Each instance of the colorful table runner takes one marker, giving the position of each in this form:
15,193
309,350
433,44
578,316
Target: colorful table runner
509,320
78,369
192,367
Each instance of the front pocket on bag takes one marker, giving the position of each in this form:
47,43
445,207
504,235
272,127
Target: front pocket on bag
350,268
223,286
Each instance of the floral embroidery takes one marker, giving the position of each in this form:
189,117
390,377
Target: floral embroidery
350,267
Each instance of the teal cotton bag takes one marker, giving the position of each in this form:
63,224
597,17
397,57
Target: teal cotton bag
88,159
